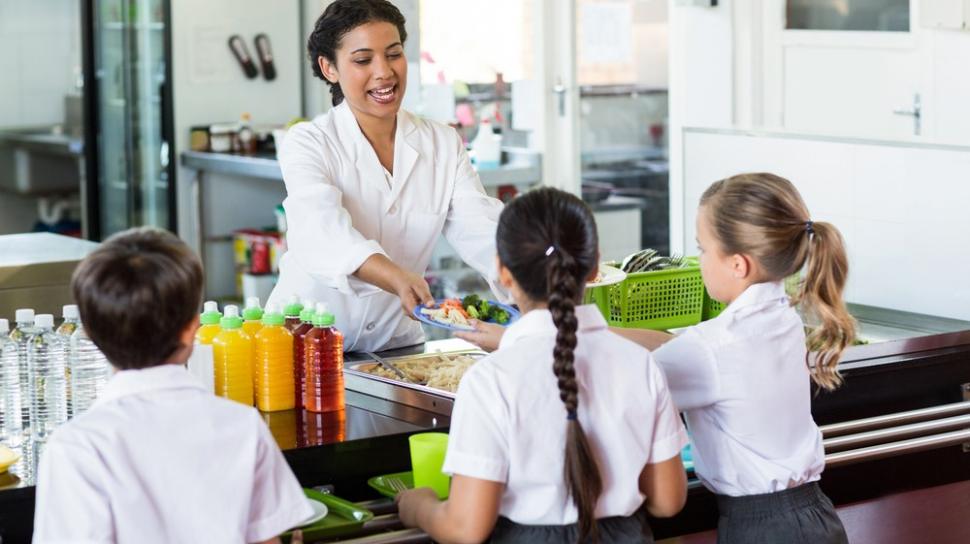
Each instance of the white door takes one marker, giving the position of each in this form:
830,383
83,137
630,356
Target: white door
856,83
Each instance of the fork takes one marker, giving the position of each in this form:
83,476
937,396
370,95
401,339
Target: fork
396,484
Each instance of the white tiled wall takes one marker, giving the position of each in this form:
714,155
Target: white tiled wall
40,52
902,209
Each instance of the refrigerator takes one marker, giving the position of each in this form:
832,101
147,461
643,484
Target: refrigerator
129,153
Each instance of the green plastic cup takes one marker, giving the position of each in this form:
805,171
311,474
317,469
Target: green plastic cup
427,456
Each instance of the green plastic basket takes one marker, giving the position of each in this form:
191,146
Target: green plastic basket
712,308
662,299
600,296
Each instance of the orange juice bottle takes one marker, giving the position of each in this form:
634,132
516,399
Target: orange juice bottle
274,364
232,352
252,317
208,323
324,354
299,343
292,312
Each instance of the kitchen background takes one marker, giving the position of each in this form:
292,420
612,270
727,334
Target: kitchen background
580,89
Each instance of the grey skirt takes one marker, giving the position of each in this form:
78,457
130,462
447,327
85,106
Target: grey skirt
801,514
620,530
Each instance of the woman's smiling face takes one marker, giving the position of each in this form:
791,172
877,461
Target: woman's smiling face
370,68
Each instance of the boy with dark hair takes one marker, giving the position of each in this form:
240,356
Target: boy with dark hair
158,458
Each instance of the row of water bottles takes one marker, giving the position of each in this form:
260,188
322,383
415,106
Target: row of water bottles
46,375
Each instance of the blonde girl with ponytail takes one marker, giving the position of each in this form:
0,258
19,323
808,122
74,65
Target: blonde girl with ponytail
567,432
744,379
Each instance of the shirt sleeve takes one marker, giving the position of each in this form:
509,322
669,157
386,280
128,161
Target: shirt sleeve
320,232
477,447
669,435
689,365
71,504
278,503
471,222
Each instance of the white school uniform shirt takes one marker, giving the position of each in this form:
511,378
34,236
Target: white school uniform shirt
509,425
743,382
159,459
341,209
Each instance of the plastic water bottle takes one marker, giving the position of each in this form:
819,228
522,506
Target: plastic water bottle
90,371
46,365
5,344
72,318
15,379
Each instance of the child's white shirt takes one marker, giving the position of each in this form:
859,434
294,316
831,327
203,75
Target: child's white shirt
509,425
159,459
743,382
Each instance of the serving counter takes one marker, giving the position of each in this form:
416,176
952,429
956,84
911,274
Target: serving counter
901,421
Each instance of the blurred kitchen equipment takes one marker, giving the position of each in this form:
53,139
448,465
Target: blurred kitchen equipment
595,191
241,52
265,54
35,270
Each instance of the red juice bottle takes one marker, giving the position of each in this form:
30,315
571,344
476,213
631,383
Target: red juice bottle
292,312
299,360
324,354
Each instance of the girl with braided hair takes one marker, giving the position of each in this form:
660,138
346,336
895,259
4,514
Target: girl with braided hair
567,432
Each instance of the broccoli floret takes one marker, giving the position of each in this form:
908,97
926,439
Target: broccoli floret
484,309
500,316
470,300
472,312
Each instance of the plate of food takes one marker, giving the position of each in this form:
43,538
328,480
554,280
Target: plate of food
454,314
607,275
320,511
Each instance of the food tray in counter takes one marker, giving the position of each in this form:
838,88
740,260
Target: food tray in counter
435,378
343,517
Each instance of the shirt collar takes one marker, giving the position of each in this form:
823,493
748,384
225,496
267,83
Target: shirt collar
757,295
134,382
539,322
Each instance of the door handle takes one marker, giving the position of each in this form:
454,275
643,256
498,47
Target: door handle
560,90
916,112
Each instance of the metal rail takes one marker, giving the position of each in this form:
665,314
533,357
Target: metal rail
893,449
879,422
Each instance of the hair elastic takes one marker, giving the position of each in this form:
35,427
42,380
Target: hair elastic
550,250
571,415
809,228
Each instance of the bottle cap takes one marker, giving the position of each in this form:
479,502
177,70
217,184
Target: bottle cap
322,318
252,312
70,311
4,326
24,315
231,319
308,310
273,316
44,321
210,314
293,307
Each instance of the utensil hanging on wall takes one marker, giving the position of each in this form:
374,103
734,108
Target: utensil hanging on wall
265,54
241,52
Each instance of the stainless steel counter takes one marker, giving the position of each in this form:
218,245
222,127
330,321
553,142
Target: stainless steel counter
520,167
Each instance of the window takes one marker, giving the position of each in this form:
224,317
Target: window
858,15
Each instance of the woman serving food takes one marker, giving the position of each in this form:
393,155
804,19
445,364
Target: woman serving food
371,187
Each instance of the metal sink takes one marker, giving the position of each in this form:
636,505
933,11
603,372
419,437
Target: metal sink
40,163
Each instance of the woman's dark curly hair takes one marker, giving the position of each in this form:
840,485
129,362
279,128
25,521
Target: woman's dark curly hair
338,19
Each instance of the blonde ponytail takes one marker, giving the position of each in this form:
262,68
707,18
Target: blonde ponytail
762,215
821,298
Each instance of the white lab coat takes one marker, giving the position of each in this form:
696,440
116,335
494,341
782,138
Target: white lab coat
340,210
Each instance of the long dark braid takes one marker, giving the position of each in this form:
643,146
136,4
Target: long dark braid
553,231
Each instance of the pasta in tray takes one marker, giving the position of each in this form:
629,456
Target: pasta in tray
441,372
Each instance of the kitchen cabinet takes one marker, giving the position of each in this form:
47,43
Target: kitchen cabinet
952,14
